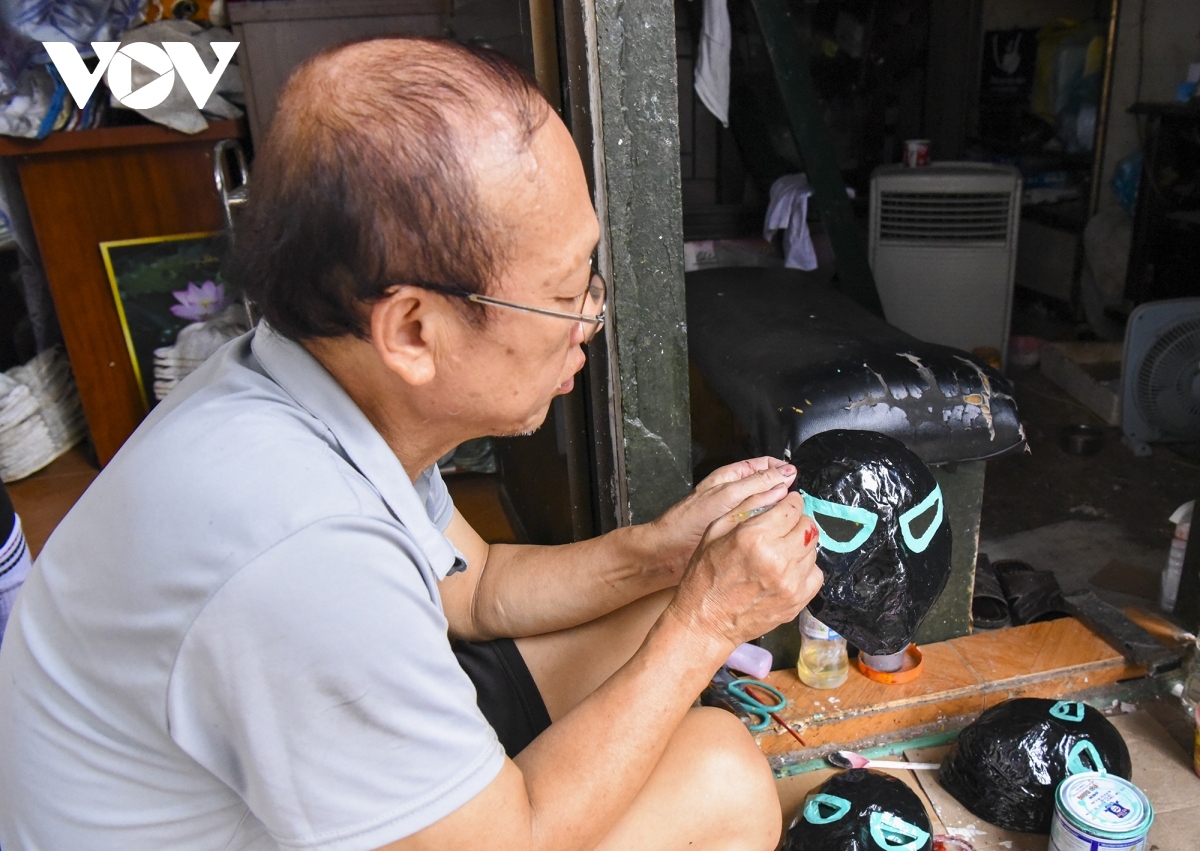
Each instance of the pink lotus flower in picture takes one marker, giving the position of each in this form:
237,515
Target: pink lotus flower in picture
198,303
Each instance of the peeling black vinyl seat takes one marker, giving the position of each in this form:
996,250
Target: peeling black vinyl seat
792,357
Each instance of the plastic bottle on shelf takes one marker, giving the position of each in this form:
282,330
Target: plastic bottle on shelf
823,662
1190,695
1196,754
1191,683
1182,518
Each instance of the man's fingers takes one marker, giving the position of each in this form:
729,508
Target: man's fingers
803,533
725,475
733,493
752,507
786,516
788,521
776,513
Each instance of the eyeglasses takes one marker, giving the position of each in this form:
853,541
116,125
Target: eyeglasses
596,295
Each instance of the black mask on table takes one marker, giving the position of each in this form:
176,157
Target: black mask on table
1007,764
860,810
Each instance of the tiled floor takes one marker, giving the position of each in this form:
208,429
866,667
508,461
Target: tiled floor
1160,768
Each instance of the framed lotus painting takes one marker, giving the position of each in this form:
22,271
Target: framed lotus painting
174,306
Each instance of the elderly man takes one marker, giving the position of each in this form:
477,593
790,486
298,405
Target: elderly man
266,626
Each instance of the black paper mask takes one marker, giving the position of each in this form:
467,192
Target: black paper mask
1007,764
860,810
884,539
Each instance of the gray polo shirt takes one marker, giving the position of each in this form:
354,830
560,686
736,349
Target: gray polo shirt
235,639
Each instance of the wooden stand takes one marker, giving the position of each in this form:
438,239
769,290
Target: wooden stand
92,186
961,678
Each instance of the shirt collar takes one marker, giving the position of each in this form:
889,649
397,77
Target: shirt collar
302,377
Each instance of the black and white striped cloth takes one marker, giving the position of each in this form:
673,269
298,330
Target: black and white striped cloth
14,564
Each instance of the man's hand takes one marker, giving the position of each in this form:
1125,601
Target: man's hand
678,532
750,575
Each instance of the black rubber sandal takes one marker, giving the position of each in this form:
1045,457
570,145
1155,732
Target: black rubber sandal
989,606
1033,595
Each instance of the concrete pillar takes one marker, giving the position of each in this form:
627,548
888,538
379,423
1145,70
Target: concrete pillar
635,121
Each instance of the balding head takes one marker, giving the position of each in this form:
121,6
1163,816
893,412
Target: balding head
367,179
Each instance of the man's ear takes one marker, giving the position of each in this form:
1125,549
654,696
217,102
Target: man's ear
406,328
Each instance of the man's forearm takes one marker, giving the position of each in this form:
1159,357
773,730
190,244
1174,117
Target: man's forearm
529,590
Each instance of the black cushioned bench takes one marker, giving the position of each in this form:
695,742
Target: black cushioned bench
792,357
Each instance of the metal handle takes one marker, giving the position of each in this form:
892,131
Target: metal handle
232,189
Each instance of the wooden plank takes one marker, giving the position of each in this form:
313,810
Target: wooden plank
117,137
961,677
862,708
43,499
944,673
1071,367
867,727
1059,685
1157,625
1008,654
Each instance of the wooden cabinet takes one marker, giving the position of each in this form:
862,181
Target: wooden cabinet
92,186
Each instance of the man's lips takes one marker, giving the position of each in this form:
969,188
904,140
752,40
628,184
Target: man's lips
568,385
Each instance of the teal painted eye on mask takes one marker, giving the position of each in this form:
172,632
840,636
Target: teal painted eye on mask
1075,763
1067,710
912,517
893,833
812,808
843,528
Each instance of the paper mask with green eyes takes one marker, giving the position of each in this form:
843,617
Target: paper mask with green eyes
884,538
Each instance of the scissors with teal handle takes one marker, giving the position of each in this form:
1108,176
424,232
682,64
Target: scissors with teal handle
758,710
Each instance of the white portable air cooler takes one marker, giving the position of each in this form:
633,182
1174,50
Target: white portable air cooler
943,247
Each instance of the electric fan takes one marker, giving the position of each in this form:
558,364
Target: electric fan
1160,374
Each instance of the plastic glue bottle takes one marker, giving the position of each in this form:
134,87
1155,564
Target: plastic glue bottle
823,662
